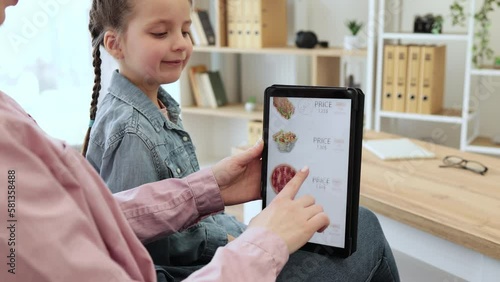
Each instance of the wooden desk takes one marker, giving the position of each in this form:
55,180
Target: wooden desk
446,217
453,204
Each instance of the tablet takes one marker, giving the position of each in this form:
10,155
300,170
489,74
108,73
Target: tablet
322,128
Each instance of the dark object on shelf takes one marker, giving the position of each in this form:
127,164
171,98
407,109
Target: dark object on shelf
309,40
306,39
323,44
427,23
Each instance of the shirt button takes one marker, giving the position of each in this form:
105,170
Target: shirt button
178,170
185,139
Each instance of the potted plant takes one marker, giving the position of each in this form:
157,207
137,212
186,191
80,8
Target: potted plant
353,41
437,25
251,104
481,50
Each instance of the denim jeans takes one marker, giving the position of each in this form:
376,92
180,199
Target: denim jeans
373,261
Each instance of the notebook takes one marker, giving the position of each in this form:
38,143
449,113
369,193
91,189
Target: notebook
397,149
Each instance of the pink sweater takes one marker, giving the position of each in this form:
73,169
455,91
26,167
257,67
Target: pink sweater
59,222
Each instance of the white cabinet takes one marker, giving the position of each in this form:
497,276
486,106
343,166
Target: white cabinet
459,113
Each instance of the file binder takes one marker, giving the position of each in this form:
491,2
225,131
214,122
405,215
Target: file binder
413,78
388,78
432,77
271,23
400,68
231,23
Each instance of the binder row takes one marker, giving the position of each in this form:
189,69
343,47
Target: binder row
256,23
413,78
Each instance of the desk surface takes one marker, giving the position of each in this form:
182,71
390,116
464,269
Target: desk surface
455,204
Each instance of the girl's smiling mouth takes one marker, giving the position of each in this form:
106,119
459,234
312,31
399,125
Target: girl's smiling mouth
173,62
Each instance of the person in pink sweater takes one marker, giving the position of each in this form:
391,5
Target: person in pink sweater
61,223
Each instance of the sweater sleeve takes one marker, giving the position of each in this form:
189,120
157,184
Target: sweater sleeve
257,255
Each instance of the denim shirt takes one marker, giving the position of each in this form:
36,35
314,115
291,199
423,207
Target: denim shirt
132,143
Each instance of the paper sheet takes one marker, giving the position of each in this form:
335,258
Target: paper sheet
397,149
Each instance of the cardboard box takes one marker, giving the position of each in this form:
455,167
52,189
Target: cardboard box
254,131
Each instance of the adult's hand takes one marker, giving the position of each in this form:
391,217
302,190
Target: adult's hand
238,176
294,220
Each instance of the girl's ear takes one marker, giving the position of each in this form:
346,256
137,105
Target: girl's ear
112,44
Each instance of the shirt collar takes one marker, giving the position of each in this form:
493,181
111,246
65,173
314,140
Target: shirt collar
126,91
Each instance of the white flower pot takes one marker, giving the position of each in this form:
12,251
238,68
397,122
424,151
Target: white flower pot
249,107
352,42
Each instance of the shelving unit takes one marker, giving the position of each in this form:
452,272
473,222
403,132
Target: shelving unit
447,116
317,66
230,111
424,36
485,72
326,52
464,117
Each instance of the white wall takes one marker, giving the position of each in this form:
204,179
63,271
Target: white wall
45,64
49,71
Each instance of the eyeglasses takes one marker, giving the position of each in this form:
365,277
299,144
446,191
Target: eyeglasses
458,162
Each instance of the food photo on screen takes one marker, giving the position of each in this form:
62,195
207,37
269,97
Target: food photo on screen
280,176
284,107
285,140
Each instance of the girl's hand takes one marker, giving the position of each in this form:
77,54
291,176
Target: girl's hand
238,176
294,220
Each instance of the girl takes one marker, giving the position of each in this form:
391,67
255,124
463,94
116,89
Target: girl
136,136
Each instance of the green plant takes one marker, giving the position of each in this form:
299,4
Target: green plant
437,26
252,99
354,26
481,50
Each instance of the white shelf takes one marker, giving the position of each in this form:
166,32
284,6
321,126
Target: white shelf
483,150
456,117
485,72
484,145
425,36
432,118
323,52
229,111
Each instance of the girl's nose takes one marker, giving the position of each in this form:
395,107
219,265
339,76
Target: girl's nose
181,42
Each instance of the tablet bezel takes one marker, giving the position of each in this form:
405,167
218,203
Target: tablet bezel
355,149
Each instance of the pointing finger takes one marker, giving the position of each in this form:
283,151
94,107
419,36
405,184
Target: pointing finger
293,186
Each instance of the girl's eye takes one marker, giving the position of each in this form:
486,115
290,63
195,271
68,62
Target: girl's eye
159,34
185,33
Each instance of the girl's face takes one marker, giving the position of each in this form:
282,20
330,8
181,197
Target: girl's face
4,4
156,45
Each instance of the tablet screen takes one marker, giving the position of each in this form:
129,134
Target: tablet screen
312,132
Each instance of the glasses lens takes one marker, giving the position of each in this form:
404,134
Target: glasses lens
475,166
451,160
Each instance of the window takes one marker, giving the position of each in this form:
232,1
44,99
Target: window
46,65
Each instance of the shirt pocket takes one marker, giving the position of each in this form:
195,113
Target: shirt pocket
178,163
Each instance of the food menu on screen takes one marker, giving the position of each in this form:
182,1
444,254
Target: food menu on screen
312,132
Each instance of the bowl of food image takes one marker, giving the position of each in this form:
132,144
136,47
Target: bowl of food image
285,140
284,107
280,176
